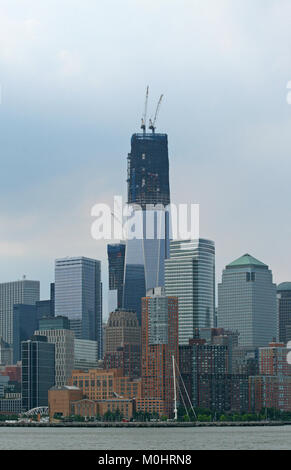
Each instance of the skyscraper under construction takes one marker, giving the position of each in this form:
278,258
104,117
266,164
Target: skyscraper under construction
148,197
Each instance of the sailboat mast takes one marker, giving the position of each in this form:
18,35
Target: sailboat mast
175,391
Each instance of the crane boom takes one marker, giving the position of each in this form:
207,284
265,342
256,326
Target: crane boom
153,123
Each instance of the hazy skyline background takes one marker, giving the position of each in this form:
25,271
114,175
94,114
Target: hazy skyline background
73,77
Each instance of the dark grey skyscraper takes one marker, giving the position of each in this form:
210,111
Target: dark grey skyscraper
116,259
148,170
148,196
78,296
38,371
25,323
284,311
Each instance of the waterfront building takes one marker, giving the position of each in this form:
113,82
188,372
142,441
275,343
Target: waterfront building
269,392
99,384
38,371
67,401
159,347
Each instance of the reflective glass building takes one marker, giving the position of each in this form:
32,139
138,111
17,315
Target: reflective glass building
190,276
148,197
247,301
38,371
78,296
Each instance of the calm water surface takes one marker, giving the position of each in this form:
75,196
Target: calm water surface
254,438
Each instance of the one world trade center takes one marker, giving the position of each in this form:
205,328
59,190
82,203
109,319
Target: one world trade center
148,198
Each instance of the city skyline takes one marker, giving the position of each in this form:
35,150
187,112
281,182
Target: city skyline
65,127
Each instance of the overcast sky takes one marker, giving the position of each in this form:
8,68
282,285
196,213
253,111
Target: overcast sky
73,76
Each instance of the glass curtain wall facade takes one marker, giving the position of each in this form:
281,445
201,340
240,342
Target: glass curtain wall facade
38,372
190,276
78,296
148,197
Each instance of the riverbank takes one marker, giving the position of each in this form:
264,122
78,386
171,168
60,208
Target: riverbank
146,424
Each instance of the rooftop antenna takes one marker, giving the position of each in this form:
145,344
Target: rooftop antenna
144,118
152,125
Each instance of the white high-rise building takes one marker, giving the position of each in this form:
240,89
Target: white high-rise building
11,293
190,276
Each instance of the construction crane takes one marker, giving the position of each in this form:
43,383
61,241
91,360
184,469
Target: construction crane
152,125
144,118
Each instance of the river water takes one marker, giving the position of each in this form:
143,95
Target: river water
254,438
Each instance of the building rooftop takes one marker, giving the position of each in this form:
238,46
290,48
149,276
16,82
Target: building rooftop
246,260
284,286
65,387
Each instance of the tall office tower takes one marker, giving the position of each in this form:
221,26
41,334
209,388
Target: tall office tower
247,301
284,311
159,346
116,258
190,276
148,197
122,328
78,296
11,293
38,371
63,339
25,322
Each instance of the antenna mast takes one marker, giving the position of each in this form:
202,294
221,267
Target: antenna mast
144,118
